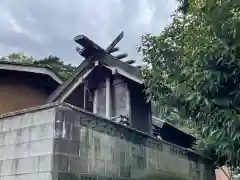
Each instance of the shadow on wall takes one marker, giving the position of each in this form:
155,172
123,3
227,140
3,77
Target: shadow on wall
163,175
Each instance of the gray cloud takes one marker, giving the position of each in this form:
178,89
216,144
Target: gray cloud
41,28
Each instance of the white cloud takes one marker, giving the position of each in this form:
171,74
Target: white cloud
145,15
44,27
15,27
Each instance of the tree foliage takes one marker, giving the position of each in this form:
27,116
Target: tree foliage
193,73
63,70
236,174
18,57
54,62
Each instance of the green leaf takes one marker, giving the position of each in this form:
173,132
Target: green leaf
195,61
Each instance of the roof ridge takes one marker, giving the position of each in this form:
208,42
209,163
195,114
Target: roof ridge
43,69
92,51
25,64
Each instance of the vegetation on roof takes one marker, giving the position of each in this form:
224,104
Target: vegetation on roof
53,62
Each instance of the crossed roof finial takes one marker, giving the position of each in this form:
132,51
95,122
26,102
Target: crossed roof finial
87,43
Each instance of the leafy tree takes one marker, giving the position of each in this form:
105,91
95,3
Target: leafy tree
64,71
236,174
18,57
54,62
193,73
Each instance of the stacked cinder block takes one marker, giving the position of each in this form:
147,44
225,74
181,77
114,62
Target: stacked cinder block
26,145
61,142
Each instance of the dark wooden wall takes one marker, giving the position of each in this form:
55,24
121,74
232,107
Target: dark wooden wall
76,98
19,91
141,116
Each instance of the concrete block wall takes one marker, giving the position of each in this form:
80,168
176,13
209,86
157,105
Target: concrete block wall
62,142
26,146
90,147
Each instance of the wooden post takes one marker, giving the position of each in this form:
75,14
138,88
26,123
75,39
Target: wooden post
128,105
108,97
84,97
95,101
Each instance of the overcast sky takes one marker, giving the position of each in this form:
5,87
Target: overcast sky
47,27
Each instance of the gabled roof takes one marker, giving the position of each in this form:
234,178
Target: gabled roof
91,49
93,52
31,68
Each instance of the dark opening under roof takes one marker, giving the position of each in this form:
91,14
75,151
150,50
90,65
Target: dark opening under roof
170,133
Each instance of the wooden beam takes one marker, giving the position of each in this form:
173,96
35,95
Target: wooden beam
121,56
116,70
75,85
115,49
96,52
114,43
108,98
130,61
95,101
79,50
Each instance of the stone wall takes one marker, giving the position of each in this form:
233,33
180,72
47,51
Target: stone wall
61,142
90,147
26,146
